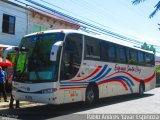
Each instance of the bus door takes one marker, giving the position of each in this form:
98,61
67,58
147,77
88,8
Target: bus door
70,65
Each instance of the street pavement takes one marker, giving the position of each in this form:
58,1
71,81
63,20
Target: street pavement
4,105
149,103
119,105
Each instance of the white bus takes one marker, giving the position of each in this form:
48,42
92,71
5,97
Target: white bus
64,66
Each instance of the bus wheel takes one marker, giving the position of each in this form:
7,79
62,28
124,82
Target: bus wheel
91,94
141,89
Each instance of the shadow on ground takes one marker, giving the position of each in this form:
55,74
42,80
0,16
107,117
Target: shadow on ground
54,111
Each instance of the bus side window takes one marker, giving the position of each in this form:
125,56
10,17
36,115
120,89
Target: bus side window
149,59
121,54
141,60
132,56
72,56
104,51
112,52
152,60
92,48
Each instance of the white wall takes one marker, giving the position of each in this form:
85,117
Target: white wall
25,23
20,25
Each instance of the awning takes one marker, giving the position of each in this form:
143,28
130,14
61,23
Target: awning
5,64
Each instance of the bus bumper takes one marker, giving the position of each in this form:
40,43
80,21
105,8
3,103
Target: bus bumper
48,98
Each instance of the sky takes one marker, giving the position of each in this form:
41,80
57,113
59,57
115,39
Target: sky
118,16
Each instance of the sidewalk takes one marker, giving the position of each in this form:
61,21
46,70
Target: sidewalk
6,104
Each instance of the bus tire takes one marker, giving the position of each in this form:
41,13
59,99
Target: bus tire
91,94
141,89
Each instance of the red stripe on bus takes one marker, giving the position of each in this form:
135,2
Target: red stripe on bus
93,73
150,78
107,81
64,88
135,78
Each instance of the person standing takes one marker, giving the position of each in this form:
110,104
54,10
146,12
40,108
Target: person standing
11,103
2,84
12,99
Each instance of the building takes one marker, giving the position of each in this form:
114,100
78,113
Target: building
17,20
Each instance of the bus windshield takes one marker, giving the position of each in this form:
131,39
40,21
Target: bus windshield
33,60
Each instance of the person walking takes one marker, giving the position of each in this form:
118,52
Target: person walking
2,84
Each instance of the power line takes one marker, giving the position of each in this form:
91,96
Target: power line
75,19
76,14
88,25
94,5
107,11
103,31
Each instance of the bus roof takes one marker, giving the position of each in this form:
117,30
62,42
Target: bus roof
102,37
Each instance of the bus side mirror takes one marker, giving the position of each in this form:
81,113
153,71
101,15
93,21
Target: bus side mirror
54,50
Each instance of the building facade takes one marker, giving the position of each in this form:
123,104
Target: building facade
18,20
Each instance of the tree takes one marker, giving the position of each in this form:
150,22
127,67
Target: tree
157,6
152,49
145,46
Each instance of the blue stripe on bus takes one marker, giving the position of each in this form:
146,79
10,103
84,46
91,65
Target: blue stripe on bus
100,73
128,82
124,77
73,84
105,74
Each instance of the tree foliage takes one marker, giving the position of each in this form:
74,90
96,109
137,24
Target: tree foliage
145,46
157,7
135,2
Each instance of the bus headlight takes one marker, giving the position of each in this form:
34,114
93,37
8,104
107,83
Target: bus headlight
50,90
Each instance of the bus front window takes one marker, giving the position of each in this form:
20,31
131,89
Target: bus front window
33,63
